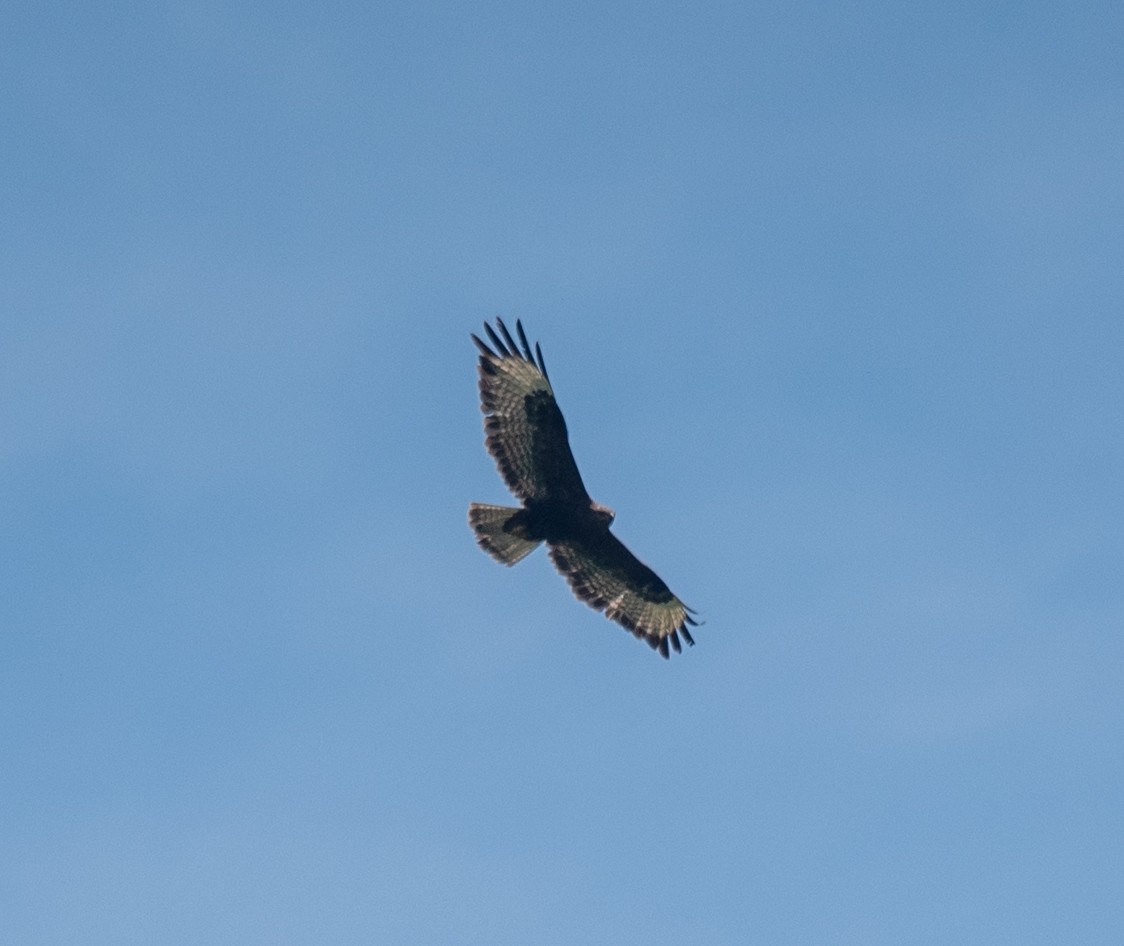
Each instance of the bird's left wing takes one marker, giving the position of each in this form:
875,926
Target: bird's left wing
523,425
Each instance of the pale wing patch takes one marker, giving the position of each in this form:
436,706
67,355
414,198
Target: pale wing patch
605,588
507,379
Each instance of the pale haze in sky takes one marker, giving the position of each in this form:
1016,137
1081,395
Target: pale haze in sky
832,297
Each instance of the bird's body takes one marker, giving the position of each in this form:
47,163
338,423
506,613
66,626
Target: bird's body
560,520
526,434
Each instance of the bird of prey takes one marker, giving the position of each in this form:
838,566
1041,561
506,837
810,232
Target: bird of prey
526,434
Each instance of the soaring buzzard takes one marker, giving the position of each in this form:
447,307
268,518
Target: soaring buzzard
526,434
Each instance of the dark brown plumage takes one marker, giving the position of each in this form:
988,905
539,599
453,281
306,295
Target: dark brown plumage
526,434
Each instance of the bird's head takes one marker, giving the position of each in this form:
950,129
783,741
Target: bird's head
603,514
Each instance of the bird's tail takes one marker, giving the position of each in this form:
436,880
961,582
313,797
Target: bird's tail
493,525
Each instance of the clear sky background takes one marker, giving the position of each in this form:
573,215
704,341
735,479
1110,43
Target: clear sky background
832,296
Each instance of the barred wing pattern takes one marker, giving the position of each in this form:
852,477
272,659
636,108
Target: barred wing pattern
524,428
609,578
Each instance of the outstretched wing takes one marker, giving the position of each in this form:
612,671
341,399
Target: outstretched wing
609,578
523,427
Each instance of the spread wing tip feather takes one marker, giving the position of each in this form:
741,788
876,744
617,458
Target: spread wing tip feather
511,346
542,364
484,349
660,643
523,341
504,353
505,346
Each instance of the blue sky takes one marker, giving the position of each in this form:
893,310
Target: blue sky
831,295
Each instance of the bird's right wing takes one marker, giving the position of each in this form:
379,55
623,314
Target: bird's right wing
609,578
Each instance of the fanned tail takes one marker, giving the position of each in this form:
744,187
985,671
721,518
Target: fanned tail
491,525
